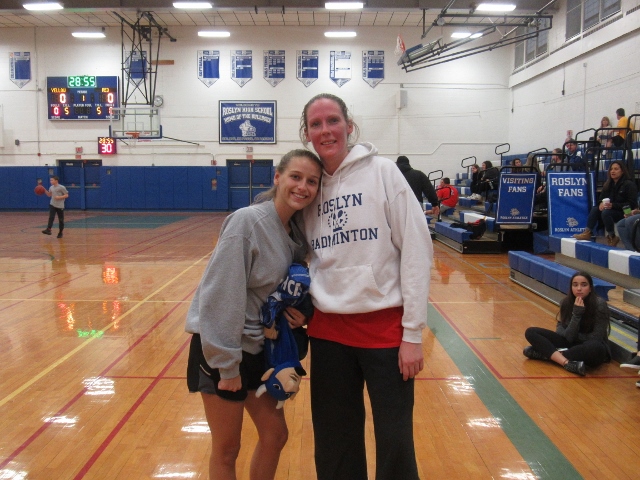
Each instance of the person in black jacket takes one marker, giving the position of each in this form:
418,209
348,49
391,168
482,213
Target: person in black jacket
618,192
419,183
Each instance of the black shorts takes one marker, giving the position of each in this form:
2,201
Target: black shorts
202,378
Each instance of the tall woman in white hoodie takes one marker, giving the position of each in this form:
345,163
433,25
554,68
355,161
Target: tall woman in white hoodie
371,253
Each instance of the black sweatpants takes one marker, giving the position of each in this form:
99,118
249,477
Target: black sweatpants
52,215
338,376
593,353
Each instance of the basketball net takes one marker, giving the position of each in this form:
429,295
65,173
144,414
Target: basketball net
400,48
133,136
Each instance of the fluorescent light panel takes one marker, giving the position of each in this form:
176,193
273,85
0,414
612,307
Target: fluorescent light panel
339,34
88,34
344,5
495,7
203,33
193,5
43,6
460,35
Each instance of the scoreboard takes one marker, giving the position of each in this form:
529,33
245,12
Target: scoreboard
82,97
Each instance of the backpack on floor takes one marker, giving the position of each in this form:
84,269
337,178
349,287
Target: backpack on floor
476,228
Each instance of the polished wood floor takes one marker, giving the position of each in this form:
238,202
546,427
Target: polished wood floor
93,357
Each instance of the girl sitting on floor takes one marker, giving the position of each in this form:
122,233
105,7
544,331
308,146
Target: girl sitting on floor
581,336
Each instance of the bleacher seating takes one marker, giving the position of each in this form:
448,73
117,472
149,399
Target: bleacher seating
459,235
552,274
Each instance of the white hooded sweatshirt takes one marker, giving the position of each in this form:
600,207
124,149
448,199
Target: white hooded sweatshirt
370,244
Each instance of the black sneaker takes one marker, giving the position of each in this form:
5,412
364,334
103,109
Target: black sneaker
533,354
59,235
46,231
575,367
633,363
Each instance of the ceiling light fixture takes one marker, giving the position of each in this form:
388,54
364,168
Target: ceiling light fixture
340,34
495,7
43,6
344,5
89,34
460,35
476,35
193,5
218,34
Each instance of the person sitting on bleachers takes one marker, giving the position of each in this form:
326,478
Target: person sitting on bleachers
489,177
604,135
574,156
582,331
475,182
625,229
618,192
447,194
623,124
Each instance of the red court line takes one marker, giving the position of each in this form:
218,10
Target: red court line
87,466
79,395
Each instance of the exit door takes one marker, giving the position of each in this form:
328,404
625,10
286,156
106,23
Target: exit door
82,180
248,178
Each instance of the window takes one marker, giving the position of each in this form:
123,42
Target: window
527,50
584,14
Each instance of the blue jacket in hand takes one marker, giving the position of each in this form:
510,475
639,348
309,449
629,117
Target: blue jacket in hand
282,379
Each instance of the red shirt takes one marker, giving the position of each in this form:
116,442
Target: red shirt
448,196
379,329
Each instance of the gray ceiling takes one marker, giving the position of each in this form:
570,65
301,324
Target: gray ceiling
377,13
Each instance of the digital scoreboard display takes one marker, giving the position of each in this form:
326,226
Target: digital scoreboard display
107,146
82,97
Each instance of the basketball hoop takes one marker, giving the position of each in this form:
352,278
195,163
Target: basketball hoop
133,135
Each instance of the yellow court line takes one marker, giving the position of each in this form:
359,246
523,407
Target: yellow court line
47,370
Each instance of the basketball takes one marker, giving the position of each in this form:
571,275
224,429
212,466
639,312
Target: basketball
39,190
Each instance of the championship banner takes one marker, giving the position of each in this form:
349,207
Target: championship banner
273,71
247,122
568,202
373,67
307,66
208,66
340,67
517,192
20,68
241,66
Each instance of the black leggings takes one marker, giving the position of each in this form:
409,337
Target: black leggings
545,342
52,215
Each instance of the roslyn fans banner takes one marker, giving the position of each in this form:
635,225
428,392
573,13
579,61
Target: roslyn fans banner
247,122
568,202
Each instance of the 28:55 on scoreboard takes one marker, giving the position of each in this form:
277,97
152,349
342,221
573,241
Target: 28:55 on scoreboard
82,97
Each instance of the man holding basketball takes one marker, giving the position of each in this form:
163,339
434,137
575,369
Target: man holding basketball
58,193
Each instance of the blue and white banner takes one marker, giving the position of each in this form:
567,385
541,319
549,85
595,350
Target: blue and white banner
273,66
340,67
241,66
247,122
516,195
20,68
138,66
373,67
568,202
208,66
307,66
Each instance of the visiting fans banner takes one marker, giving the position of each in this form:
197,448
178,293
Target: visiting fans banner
247,122
516,195
568,202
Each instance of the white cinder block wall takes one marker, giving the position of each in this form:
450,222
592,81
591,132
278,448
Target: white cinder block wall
455,110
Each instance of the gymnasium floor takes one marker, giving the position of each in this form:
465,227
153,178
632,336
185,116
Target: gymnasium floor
93,366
